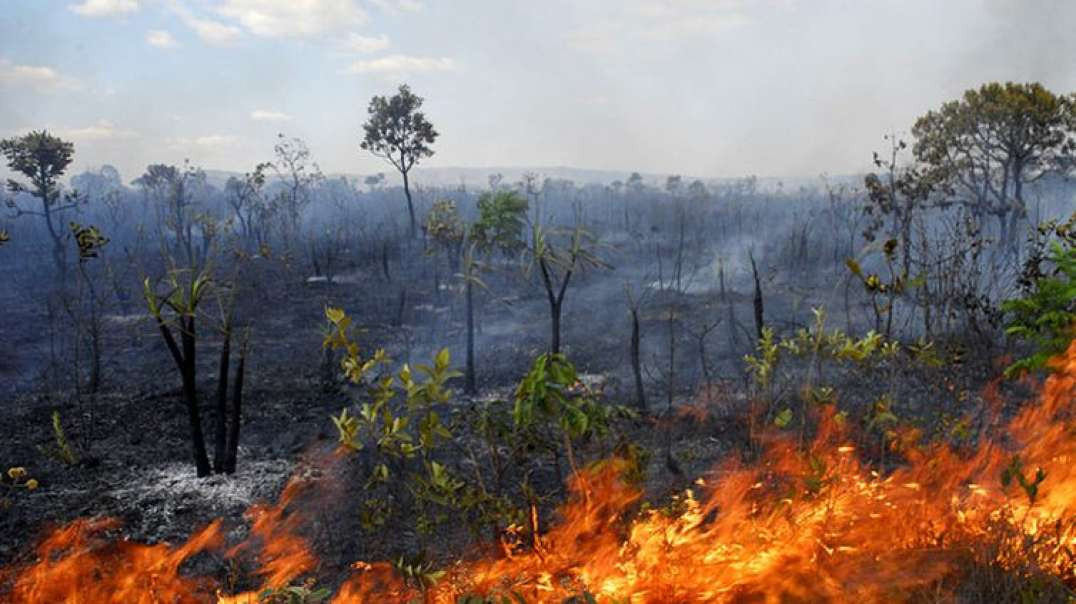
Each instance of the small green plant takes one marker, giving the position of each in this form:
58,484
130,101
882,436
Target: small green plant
883,293
400,424
551,399
304,593
1015,471
417,572
512,598
1046,315
61,448
762,365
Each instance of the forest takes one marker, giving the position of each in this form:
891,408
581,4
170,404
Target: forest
286,386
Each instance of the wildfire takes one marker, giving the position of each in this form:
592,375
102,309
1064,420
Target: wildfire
802,524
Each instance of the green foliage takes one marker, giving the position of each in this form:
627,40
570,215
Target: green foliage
444,226
407,442
183,295
513,598
783,419
88,239
882,418
499,227
1046,315
818,342
61,448
1015,470
883,292
1011,132
417,572
818,475
552,393
305,593
397,130
399,423
418,429
762,364
42,158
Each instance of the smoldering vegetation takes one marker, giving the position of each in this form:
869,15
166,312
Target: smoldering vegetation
674,324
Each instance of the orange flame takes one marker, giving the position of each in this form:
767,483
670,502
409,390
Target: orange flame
801,524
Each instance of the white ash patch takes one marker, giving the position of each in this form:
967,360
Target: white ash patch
350,278
167,496
122,320
596,382
430,308
179,480
491,395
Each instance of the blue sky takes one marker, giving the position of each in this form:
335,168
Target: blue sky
697,87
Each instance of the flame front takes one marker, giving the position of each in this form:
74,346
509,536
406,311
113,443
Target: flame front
802,524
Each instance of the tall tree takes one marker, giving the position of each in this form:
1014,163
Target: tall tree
990,143
42,158
173,189
400,134
251,208
299,176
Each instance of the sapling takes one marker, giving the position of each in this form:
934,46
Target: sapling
188,290
557,264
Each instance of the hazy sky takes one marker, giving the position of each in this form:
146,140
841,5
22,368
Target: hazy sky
697,87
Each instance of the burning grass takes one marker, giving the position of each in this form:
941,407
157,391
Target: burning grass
993,522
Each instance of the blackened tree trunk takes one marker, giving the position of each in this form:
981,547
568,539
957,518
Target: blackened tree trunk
220,444
556,302
759,324
471,385
554,310
410,204
237,412
185,361
636,365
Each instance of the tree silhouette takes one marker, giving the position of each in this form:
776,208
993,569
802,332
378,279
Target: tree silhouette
42,158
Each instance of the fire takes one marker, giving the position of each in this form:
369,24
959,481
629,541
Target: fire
809,523
77,565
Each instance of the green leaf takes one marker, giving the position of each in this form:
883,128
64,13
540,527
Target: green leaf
783,419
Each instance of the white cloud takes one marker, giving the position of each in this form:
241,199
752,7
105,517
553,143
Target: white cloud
104,8
99,131
208,141
266,115
211,32
37,77
402,64
293,18
364,44
215,140
396,6
161,39
214,32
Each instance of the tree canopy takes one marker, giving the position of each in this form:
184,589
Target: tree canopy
984,147
41,157
399,132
